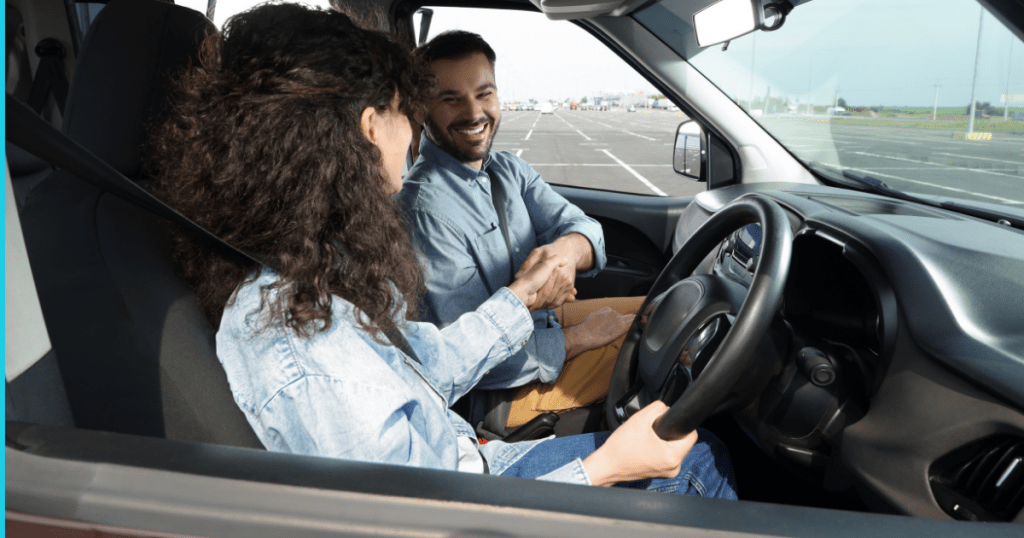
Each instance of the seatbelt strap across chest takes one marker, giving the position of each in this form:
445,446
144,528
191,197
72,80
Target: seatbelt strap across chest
499,201
33,134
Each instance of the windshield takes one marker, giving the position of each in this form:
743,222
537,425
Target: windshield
880,88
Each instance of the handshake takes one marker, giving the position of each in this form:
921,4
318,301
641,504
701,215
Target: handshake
550,271
546,280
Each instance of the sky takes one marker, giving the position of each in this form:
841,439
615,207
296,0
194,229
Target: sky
872,52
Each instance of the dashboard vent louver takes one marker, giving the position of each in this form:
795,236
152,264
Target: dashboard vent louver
983,481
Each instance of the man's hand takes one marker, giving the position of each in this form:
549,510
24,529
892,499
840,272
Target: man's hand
635,452
577,251
598,329
529,283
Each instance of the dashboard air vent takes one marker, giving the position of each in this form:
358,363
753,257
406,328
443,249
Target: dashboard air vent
983,481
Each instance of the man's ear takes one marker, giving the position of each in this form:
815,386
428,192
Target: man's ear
420,115
367,121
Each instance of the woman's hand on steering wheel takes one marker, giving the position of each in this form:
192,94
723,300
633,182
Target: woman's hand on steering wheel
634,451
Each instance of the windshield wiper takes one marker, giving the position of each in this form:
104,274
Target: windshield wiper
878,186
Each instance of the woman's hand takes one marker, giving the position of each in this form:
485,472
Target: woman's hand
635,452
529,284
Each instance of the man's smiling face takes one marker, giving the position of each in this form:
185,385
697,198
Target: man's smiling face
464,118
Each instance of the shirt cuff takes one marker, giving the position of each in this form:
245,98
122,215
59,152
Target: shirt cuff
510,316
571,473
550,353
596,239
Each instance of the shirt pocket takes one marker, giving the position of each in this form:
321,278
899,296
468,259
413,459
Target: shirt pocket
492,256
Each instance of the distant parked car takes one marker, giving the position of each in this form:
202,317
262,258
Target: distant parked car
546,108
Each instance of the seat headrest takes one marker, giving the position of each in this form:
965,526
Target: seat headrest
120,89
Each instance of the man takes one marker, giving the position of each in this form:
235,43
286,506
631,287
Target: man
450,198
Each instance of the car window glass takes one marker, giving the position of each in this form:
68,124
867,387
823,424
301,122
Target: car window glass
879,88
571,108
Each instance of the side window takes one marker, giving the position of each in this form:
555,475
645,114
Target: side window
571,108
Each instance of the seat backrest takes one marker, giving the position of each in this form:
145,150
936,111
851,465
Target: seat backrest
136,354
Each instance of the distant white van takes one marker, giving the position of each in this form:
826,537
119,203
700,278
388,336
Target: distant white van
546,108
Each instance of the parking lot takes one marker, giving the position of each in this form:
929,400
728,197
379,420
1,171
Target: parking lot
632,152
614,150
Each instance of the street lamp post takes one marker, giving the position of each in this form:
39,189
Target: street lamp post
974,83
1006,107
935,107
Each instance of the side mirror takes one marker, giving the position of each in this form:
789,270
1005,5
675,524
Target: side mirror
688,156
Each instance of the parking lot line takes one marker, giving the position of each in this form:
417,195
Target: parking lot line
936,164
642,179
519,153
528,134
602,164
980,158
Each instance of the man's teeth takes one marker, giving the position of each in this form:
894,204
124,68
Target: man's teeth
476,131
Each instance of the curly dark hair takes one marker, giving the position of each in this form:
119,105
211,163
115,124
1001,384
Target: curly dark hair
263,148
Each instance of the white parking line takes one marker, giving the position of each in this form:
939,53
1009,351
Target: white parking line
935,164
640,135
571,126
642,179
519,153
981,158
602,164
528,134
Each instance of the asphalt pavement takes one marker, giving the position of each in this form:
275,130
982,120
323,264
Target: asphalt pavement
632,152
610,150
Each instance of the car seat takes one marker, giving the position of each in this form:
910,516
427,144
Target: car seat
135,352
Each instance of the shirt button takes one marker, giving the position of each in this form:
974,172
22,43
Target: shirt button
517,249
523,343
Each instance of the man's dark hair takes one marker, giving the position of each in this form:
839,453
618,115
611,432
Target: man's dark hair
454,45
264,148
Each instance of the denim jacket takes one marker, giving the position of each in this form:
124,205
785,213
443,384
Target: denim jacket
453,223
341,394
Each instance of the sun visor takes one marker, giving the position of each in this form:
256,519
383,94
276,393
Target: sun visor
585,9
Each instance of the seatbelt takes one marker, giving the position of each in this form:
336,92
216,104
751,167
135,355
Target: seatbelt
37,136
49,76
498,199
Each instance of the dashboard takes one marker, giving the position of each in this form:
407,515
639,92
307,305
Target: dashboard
903,346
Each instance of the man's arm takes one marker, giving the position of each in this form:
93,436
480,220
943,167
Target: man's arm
563,231
455,286
553,217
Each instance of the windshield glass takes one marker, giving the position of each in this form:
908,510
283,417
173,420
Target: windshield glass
880,88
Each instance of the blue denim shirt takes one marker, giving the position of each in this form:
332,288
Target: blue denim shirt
453,224
341,394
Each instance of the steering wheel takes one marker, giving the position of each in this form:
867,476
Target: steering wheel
697,342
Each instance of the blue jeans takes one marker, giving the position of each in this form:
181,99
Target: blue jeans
706,471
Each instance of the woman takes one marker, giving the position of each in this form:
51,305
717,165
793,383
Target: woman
288,141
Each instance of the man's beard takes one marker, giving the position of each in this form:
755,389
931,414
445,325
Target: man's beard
444,140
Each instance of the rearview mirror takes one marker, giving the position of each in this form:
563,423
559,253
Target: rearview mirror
688,156
726,20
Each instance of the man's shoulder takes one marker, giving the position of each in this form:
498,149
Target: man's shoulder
509,161
425,186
